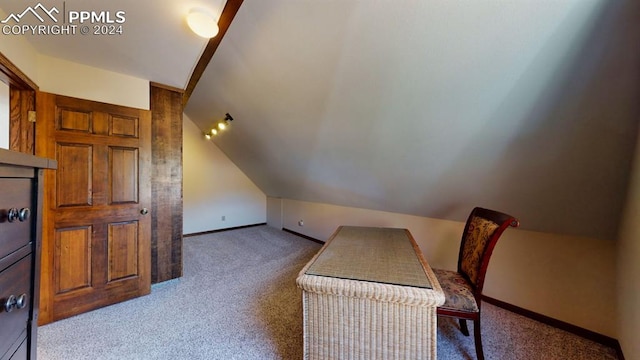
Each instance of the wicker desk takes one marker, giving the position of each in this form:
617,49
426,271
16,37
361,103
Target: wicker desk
369,294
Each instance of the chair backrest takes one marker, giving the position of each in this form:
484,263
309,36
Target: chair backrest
481,233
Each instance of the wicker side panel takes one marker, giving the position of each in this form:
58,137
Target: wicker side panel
340,327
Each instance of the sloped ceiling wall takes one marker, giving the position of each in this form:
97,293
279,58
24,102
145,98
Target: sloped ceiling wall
433,107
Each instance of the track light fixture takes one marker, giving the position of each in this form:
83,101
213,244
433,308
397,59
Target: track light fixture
226,122
219,126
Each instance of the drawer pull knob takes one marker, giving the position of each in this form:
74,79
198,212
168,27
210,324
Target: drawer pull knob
21,302
10,304
12,215
24,214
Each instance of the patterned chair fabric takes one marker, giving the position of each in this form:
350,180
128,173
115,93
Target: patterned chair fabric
475,244
457,291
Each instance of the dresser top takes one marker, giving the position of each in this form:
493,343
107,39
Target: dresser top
14,158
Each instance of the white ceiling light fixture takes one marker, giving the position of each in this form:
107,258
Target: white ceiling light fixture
202,23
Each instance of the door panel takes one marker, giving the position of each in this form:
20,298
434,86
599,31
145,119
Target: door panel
74,172
73,120
123,175
123,126
123,250
96,240
72,259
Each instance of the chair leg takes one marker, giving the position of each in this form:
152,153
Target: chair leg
478,339
463,327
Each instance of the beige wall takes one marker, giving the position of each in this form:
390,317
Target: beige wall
564,277
274,212
20,52
72,79
214,187
629,269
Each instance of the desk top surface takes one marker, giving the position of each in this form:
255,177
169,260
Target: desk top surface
384,255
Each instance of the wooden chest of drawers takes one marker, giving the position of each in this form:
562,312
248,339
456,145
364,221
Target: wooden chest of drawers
20,228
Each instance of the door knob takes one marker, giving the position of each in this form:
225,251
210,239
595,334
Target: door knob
144,211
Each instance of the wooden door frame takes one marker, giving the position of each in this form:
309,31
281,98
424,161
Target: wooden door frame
22,100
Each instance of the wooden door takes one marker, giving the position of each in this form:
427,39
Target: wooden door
96,228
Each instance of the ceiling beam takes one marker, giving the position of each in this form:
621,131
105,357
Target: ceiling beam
228,13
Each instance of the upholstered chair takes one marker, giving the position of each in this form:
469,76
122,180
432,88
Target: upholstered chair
463,288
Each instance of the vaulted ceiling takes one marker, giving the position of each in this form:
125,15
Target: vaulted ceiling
424,107
433,107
